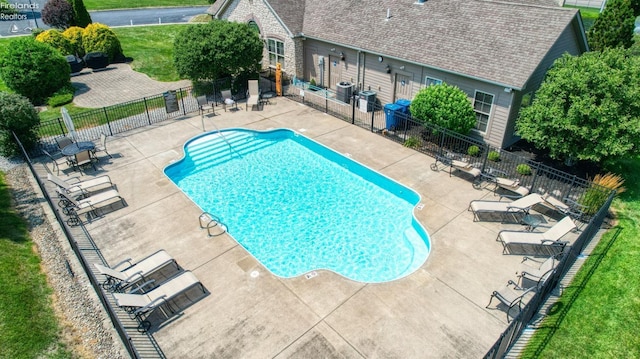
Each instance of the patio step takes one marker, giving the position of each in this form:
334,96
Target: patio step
416,241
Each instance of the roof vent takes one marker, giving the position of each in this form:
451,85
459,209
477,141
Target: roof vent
388,14
420,2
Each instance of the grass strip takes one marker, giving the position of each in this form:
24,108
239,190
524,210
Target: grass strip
597,315
28,326
126,4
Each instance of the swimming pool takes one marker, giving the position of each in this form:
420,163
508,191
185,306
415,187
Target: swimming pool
298,206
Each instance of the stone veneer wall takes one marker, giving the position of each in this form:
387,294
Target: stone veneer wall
247,10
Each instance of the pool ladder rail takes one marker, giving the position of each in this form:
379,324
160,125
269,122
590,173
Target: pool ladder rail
212,224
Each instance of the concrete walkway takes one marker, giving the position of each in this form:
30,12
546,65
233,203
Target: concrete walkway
437,312
117,84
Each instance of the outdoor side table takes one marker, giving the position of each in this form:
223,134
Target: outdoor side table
532,221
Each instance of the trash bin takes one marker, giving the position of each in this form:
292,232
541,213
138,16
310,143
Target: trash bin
390,112
343,91
367,100
404,103
401,119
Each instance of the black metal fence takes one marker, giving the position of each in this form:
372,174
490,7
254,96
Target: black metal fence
438,141
82,246
509,337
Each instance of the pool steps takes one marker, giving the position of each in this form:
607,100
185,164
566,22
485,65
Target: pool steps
216,150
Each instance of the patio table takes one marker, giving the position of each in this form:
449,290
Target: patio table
77,147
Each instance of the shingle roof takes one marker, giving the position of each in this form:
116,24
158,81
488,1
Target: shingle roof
497,41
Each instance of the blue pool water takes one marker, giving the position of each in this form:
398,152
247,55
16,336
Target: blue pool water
298,206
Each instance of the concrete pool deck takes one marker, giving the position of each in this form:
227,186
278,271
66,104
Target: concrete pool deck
438,311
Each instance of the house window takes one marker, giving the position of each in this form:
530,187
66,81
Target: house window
254,26
276,52
428,81
482,106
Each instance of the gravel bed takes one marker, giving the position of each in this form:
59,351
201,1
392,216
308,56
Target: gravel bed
86,328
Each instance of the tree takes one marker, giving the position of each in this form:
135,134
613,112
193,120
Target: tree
587,108
81,16
100,38
33,69
444,105
217,49
614,27
58,14
18,115
57,40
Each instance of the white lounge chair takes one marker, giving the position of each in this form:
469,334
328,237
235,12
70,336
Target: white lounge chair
75,187
538,272
119,279
516,209
512,296
140,305
550,238
74,208
253,94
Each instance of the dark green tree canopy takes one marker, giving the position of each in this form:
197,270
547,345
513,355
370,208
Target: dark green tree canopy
217,49
34,69
587,108
18,115
446,106
614,27
81,16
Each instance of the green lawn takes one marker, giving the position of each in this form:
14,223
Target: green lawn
28,326
588,14
151,48
598,314
124,4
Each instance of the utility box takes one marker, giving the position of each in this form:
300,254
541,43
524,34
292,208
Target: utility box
367,100
344,91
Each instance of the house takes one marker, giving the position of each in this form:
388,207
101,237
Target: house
496,51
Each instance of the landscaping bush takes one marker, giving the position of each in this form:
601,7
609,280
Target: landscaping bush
17,114
57,13
412,142
57,40
100,38
523,169
494,156
473,151
62,96
597,194
33,69
74,35
444,105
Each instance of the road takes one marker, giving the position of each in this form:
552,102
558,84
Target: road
30,17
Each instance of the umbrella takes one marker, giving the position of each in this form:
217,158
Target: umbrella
68,122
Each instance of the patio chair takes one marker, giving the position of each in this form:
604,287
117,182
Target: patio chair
89,205
512,296
132,273
102,145
501,180
456,162
537,273
204,105
75,187
57,161
567,207
253,94
63,142
515,210
83,158
228,100
140,305
550,238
